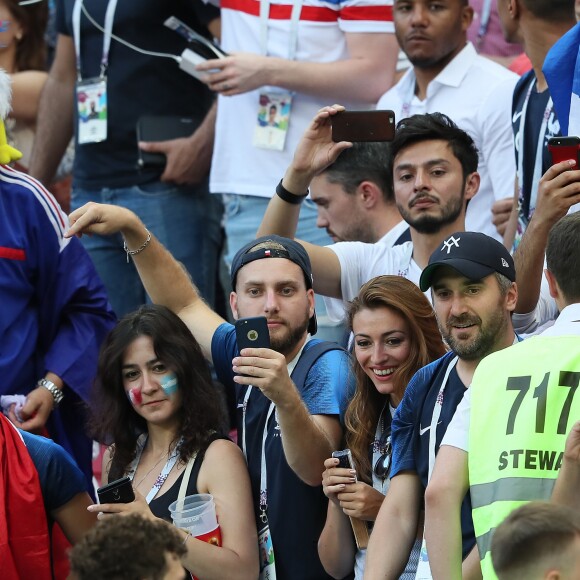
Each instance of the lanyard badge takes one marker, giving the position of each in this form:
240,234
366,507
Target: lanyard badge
91,94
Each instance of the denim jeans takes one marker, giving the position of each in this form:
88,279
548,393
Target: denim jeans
243,215
185,219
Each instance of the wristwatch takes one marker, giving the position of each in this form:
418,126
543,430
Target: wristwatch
56,393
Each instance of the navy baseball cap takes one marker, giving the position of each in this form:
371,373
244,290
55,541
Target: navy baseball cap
273,246
472,254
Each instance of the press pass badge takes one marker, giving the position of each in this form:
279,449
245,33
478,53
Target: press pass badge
272,121
92,110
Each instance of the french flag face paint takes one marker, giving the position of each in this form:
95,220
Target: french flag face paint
135,396
169,384
4,25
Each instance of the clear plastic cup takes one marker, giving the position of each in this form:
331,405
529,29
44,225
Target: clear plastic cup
196,513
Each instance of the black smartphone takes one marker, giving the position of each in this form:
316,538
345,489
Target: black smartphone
252,332
344,458
118,491
564,148
358,126
161,128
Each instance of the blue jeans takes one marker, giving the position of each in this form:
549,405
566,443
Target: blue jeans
243,215
185,219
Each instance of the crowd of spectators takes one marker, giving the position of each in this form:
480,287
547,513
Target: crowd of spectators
403,284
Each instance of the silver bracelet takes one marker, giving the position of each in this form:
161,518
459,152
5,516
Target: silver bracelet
56,393
139,249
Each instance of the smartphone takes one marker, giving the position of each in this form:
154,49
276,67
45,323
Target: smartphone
252,332
161,128
118,491
363,126
564,148
344,458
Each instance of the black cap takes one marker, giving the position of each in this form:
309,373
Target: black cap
275,247
472,254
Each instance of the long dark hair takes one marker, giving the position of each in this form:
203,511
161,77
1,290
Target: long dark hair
31,49
113,417
405,298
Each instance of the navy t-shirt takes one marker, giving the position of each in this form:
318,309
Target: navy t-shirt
411,428
137,84
533,122
297,511
60,478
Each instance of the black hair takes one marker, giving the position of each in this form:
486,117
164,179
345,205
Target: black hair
436,127
363,162
113,417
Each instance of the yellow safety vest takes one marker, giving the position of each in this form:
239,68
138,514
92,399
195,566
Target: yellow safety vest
524,401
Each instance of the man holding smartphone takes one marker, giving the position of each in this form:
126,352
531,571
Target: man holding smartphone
286,429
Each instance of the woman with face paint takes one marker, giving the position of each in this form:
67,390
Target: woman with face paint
395,334
154,399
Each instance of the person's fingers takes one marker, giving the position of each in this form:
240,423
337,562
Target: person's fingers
154,146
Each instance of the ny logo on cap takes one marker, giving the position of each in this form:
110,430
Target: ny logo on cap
504,263
447,244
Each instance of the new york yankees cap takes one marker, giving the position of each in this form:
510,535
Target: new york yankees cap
272,246
472,254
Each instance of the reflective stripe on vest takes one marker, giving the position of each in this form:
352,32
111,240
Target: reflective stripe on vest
524,400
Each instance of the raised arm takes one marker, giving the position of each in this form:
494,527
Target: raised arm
54,127
365,76
314,153
165,280
558,191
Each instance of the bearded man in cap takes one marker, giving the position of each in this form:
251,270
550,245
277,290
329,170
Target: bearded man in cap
287,426
472,281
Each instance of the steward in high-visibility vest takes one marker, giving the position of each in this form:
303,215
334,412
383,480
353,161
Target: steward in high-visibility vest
524,401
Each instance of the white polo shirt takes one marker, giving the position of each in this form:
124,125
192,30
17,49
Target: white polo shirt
476,94
457,434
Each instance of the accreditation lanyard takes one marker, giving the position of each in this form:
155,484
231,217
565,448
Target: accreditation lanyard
107,35
539,149
436,415
263,467
169,464
294,20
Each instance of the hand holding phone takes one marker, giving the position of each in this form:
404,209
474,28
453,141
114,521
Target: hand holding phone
344,459
118,491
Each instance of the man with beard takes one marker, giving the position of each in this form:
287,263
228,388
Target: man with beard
286,429
448,76
524,399
471,277
434,175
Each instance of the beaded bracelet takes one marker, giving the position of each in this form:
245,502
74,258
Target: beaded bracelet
288,197
139,249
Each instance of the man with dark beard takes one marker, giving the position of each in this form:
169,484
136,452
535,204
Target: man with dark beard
434,175
471,277
287,426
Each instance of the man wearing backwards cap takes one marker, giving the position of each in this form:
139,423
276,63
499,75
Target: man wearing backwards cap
271,277
471,277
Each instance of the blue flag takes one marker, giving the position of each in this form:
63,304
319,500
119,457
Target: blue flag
562,71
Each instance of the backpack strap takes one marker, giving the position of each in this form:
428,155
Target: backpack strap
308,358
